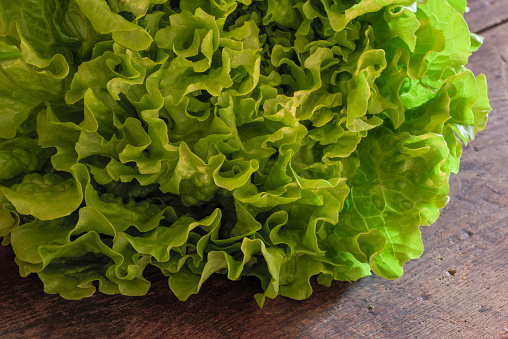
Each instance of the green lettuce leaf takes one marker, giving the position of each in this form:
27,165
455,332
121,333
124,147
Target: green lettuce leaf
35,193
276,139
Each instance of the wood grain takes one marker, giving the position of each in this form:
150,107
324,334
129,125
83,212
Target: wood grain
485,14
457,289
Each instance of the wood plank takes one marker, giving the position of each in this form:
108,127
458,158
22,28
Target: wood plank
456,290
486,13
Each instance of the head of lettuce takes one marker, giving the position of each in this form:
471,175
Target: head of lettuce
276,139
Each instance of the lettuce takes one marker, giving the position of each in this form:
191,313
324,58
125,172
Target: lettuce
276,139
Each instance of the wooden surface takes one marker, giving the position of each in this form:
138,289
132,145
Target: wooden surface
486,14
457,289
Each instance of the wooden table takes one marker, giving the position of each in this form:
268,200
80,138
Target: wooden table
457,289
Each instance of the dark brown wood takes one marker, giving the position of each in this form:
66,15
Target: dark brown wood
457,289
485,14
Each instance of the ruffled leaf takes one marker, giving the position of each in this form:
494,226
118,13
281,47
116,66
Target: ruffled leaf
276,139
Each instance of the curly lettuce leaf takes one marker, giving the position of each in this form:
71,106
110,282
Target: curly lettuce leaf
275,139
35,193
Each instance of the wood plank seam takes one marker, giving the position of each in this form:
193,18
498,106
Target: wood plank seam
495,25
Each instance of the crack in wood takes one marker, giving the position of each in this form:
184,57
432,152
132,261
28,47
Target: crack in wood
491,27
